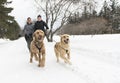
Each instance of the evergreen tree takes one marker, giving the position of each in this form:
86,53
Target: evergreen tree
9,28
115,14
112,13
105,11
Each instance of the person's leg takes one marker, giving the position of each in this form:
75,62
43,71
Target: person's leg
28,41
26,38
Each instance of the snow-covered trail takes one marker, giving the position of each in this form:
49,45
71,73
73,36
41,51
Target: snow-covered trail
94,60
100,58
15,66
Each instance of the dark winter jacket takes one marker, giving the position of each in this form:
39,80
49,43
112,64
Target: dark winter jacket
40,25
28,29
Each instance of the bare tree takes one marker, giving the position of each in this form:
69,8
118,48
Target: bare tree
89,6
56,13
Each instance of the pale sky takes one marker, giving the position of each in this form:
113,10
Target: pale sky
22,10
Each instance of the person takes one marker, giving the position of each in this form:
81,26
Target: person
40,24
28,31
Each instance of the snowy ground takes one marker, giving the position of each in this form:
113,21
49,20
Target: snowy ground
95,59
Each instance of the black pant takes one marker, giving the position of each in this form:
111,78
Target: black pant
28,39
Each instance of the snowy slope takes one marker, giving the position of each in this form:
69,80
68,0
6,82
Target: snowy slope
95,59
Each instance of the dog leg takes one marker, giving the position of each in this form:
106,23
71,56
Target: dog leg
65,60
31,56
57,54
68,55
43,61
39,60
36,57
42,64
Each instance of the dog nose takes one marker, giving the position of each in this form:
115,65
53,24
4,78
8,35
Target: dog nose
40,37
67,39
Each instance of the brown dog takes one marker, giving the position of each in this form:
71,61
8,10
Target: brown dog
37,48
62,48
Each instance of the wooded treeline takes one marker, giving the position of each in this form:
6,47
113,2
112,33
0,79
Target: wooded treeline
90,22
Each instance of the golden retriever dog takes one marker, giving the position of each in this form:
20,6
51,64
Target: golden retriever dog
37,48
62,49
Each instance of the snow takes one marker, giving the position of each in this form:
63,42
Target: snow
95,59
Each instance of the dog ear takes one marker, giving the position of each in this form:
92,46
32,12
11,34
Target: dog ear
60,35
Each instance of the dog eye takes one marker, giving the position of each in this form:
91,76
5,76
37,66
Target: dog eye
37,32
64,36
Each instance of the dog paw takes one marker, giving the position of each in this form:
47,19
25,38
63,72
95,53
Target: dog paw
38,65
30,61
68,62
65,62
42,65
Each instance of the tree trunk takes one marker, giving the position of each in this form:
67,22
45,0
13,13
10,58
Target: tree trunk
49,37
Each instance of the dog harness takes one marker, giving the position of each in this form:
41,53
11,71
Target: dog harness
64,49
37,46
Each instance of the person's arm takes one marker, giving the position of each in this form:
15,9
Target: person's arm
34,27
46,31
45,24
24,30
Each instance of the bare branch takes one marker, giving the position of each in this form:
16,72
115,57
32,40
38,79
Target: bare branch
55,10
38,5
